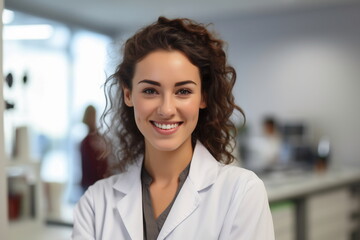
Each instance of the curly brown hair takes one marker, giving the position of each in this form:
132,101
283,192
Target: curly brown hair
214,129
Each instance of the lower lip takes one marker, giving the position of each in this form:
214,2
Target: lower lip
165,131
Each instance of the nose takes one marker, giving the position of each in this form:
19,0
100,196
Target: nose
167,107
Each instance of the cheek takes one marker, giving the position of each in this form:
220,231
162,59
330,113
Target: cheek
142,109
192,111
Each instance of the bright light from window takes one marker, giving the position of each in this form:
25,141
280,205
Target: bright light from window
8,16
28,32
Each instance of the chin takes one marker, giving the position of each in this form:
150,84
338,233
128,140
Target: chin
167,145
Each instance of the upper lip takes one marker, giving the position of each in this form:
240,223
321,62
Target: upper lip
162,122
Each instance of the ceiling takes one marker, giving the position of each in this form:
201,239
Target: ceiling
112,17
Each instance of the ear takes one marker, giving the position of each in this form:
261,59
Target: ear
127,97
203,101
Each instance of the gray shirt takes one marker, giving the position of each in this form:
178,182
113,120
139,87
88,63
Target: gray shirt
152,226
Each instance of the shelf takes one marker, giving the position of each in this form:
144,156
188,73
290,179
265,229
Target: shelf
24,228
27,229
21,161
24,223
25,188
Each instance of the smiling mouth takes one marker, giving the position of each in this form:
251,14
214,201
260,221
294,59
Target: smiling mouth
166,126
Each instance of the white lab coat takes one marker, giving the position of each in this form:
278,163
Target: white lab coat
216,202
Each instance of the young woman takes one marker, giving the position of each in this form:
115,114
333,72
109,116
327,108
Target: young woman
170,104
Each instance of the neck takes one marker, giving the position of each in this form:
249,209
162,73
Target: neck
167,165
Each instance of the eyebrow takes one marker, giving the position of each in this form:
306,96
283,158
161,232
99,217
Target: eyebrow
158,84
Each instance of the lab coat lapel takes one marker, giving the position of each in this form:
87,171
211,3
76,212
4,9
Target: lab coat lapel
186,203
130,206
203,173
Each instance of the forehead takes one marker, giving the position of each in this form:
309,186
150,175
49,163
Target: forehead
161,65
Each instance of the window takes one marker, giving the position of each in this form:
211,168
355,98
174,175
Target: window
55,76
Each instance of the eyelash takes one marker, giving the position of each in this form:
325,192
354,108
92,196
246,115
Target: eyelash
151,91
184,91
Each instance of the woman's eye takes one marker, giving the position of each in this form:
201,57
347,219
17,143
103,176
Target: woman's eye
149,91
184,92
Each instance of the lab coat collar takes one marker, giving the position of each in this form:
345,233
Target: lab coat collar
203,172
130,205
204,167
127,180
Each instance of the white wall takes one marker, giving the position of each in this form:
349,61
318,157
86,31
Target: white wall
301,65
3,185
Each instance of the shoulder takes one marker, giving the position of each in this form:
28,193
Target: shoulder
119,184
240,180
206,171
106,183
101,195
100,190
244,200
237,174
248,205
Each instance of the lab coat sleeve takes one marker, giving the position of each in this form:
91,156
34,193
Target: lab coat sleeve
249,215
84,218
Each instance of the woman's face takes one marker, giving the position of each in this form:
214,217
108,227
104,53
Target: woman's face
166,96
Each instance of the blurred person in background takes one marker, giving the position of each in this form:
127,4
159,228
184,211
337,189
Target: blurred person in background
92,148
170,102
264,152
272,141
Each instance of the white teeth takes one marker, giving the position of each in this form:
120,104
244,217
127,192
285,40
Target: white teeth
166,126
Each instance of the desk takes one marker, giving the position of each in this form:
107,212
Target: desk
327,200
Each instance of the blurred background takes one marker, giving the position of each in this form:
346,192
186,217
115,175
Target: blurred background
298,70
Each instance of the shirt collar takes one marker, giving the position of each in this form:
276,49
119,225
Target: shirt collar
147,179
